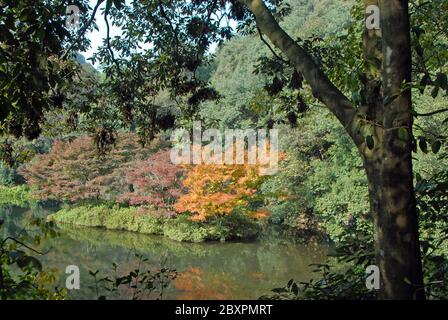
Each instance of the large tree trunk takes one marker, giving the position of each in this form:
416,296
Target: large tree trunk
389,163
390,174
392,204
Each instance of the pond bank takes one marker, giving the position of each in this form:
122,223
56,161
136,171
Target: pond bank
179,227
15,195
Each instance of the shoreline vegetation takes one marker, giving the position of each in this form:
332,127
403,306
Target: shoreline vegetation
16,195
178,228
112,216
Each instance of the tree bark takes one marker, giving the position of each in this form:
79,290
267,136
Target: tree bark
389,164
398,254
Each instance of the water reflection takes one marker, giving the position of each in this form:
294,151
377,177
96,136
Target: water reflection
206,270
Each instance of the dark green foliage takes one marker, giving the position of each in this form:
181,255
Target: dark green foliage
140,283
32,38
21,274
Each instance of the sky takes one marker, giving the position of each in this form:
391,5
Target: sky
96,37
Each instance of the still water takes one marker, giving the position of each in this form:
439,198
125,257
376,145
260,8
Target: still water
205,270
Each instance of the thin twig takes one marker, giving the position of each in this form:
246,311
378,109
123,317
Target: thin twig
430,113
83,30
271,49
26,246
109,48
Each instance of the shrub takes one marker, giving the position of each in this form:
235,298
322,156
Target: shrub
10,176
155,182
18,195
179,227
217,190
182,229
73,171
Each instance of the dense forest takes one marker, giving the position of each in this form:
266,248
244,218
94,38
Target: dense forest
361,117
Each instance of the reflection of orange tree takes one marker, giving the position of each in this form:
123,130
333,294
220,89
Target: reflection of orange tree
215,190
195,284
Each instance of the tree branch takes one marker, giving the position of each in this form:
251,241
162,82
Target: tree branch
83,30
430,113
109,48
24,245
323,89
271,49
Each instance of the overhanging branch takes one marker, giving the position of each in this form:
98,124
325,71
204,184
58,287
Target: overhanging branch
84,29
323,89
430,113
271,49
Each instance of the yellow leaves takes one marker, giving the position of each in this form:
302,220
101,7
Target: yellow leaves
215,190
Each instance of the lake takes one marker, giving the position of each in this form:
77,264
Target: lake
205,270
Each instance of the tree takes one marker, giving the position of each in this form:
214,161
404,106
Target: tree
387,148
216,190
155,182
32,38
387,151
179,35
73,171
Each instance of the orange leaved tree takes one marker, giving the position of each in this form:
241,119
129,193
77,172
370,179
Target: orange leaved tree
216,190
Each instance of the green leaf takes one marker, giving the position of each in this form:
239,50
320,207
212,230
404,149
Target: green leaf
426,80
403,134
418,177
423,144
16,254
436,146
442,80
435,92
295,288
419,50
370,142
356,98
93,273
28,261
414,145
418,31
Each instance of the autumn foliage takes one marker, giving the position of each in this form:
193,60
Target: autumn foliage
144,177
216,190
73,171
155,182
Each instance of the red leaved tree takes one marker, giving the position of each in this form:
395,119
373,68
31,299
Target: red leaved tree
155,182
73,171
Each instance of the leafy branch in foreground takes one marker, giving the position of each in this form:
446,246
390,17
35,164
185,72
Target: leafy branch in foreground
21,273
139,283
